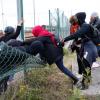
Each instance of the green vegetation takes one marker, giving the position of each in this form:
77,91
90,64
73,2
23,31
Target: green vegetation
47,83
40,84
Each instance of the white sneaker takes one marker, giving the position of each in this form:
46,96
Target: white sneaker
79,76
79,84
95,65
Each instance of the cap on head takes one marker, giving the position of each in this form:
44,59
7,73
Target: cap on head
94,14
9,30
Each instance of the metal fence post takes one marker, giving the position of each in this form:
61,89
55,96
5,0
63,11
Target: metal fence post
50,22
58,23
20,16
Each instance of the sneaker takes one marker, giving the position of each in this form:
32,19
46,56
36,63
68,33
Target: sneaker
81,86
85,84
79,76
95,65
84,87
78,84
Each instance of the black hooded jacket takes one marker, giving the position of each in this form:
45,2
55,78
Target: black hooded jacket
81,17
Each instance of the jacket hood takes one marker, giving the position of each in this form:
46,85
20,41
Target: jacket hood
40,31
81,17
37,30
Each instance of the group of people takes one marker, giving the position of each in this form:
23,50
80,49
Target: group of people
86,43
50,48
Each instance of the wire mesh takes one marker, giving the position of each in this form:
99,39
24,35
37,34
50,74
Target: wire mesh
58,23
13,60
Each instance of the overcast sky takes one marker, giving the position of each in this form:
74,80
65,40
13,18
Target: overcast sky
70,7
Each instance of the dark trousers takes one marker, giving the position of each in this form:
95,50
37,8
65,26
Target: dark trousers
66,71
38,47
80,64
3,84
86,74
35,48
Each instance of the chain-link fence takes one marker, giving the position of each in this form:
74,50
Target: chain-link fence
58,23
13,60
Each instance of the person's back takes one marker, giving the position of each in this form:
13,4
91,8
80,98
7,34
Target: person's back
49,42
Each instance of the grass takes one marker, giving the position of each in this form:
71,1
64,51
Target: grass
47,83
40,84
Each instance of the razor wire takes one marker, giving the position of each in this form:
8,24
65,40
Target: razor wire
13,60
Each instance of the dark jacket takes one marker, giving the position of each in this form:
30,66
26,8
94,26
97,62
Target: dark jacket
8,37
96,26
51,52
96,23
88,50
84,32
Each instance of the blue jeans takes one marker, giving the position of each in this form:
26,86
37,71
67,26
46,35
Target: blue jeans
67,72
98,48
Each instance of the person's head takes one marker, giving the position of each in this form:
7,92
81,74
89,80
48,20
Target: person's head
81,17
44,26
9,30
37,30
94,16
73,20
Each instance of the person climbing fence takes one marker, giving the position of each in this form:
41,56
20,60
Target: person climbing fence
45,44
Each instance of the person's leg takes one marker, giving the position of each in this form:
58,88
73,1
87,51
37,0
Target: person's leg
35,48
79,61
61,66
98,48
3,84
89,56
86,74
80,65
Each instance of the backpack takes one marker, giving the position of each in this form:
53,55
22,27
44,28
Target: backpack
95,35
96,32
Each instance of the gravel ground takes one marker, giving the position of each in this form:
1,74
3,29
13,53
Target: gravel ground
94,88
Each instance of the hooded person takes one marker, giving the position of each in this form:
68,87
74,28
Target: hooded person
45,44
88,50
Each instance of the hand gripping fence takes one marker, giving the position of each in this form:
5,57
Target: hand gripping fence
13,60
